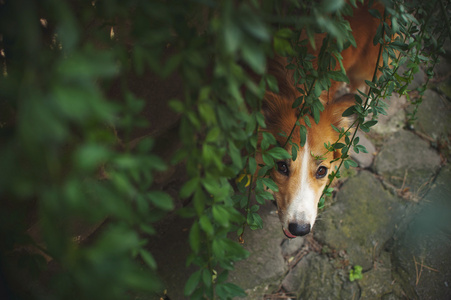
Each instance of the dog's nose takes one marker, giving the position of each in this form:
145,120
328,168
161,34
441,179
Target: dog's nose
299,229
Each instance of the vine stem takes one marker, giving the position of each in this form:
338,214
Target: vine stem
301,114
249,194
370,92
448,25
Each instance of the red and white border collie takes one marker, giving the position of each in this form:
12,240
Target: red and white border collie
302,181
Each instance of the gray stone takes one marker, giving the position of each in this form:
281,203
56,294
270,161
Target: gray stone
315,277
444,88
391,296
365,160
396,116
419,78
442,68
407,161
361,220
434,115
447,48
291,246
265,264
422,253
378,282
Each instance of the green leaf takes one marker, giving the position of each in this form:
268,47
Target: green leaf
307,121
336,129
352,163
267,140
378,36
303,135
234,250
192,282
148,258
329,191
176,105
195,237
349,112
272,83
349,163
360,148
171,64
339,145
252,165
262,196
358,99
260,119
278,153
206,225
89,156
321,202
221,215
268,160
199,200
294,153
316,114
161,200
257,222
282,43
270,184
255,26
255,58
189,187
371,84
229,291
375,13
344,151
213,135
90,64
297,102
206,277
364,128
254,208
235,155
338,76
218,248
370,123
232,36
264,170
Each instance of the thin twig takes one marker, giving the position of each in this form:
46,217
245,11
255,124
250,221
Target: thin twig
418,272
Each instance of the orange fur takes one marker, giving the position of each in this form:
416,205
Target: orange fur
359,62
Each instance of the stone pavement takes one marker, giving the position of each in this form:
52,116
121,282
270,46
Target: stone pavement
392,217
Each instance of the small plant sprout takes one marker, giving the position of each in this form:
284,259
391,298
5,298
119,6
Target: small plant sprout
355,273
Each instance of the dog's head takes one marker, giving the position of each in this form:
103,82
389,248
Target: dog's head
301,181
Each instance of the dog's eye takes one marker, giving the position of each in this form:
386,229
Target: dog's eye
282,167
321,172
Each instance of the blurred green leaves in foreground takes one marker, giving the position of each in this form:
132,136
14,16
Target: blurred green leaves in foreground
65,155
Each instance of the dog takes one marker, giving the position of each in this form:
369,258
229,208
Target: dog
301,181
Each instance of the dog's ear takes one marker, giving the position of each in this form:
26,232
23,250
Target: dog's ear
277,110
336,110
277,105
338,107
